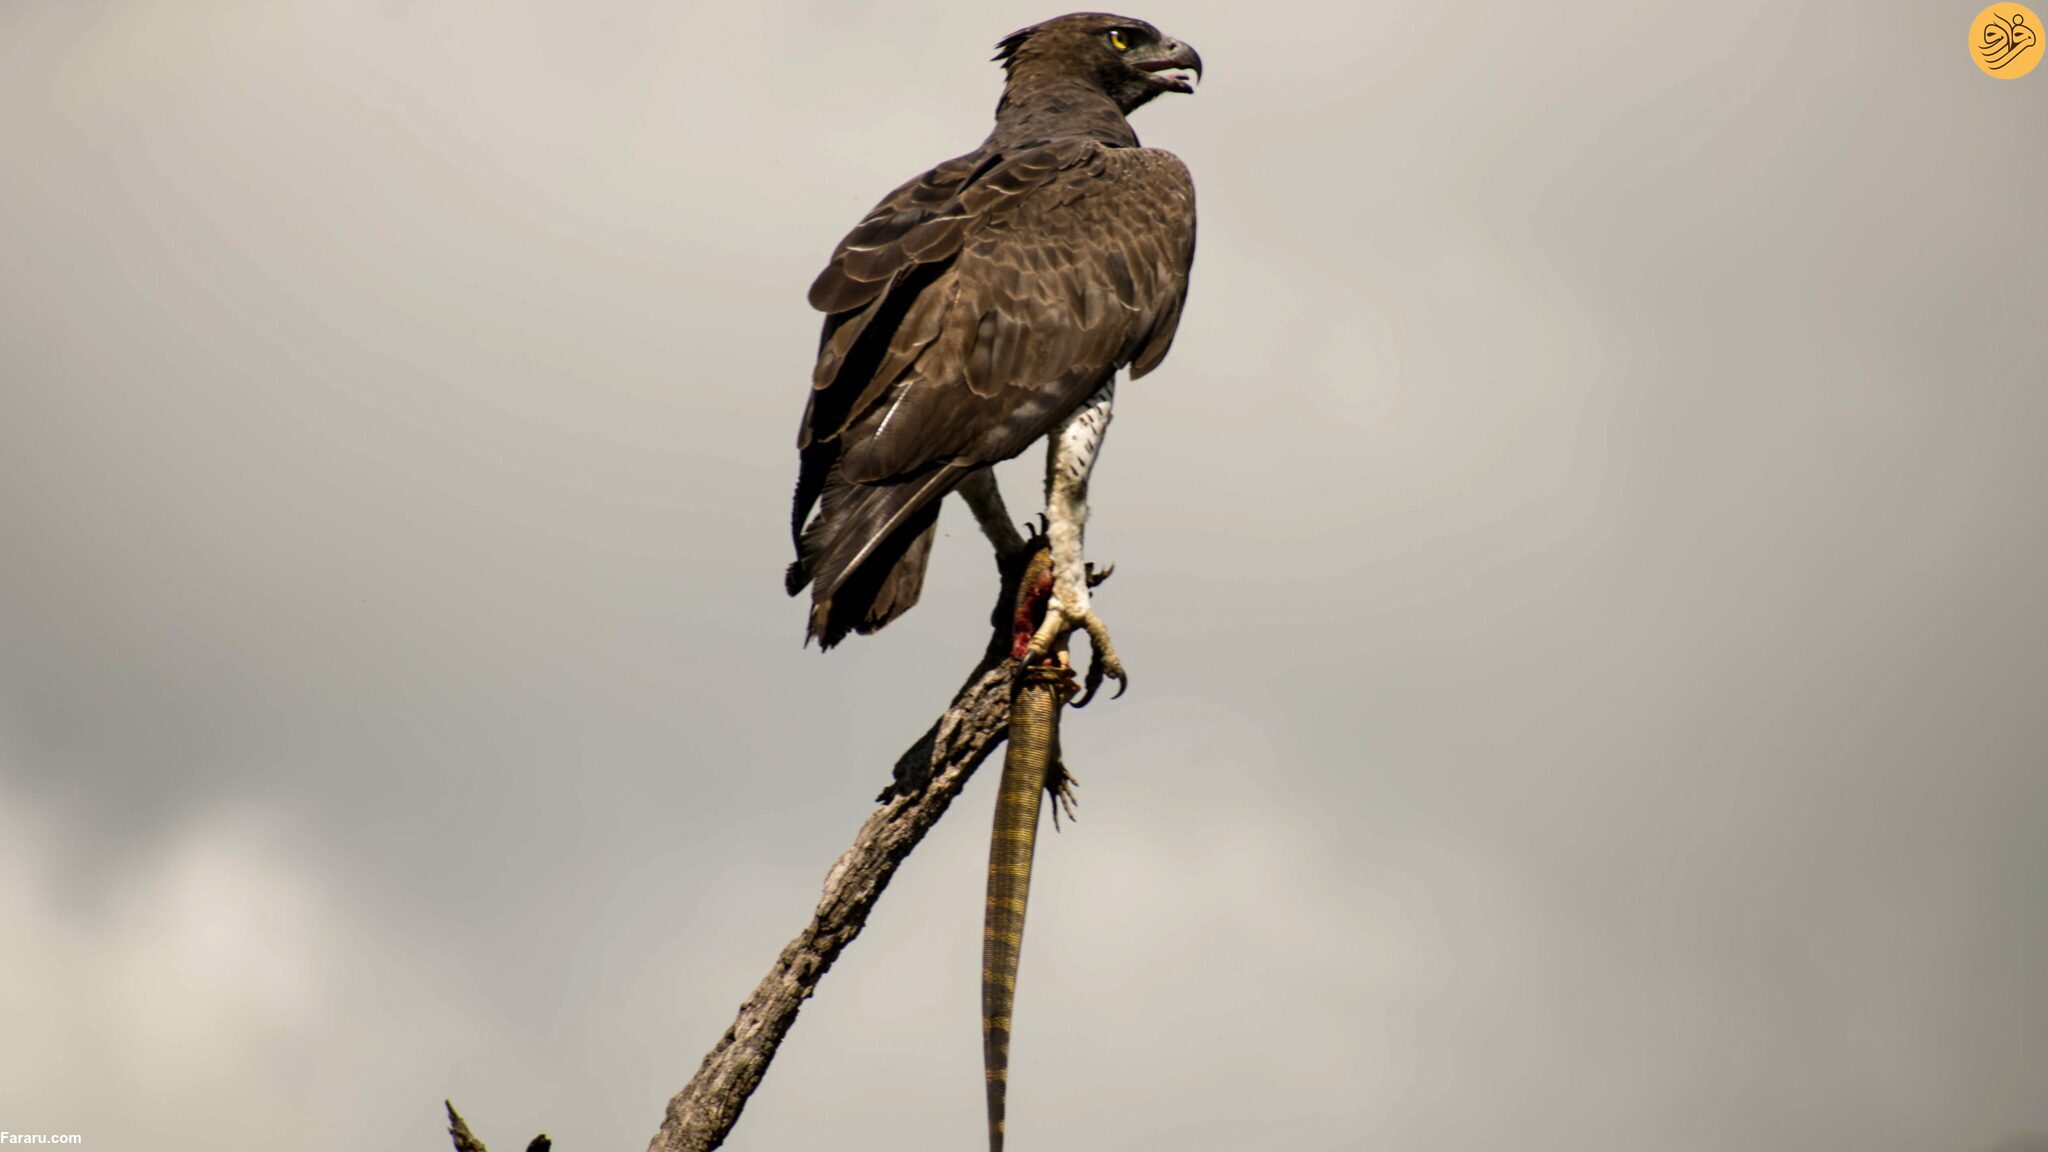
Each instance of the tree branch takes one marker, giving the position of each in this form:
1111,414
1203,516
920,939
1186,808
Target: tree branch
465,1142
700,1116
929,774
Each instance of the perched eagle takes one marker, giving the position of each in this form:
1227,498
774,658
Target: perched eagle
987,303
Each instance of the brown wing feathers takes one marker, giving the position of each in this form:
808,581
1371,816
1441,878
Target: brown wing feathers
969,313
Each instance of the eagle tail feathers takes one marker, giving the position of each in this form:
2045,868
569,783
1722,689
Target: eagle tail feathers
865,551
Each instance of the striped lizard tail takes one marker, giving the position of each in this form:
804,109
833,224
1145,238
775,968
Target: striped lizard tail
1030,762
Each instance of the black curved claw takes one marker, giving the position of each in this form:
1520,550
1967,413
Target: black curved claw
1093,682
1095,579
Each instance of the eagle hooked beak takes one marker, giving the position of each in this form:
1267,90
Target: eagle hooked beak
1170,67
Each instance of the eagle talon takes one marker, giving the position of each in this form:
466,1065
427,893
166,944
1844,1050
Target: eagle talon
1059,624
1105,662
1096,579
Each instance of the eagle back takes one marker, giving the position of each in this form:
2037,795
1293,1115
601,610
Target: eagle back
980,303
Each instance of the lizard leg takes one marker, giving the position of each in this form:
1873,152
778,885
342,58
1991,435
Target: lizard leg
1059,790
1059,781
1070,458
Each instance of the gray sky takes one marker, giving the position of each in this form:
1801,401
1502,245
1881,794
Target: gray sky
1580,568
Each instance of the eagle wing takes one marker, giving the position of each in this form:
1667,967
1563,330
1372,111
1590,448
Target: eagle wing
982,303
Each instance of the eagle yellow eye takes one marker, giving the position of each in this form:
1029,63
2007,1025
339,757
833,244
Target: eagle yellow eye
1117,40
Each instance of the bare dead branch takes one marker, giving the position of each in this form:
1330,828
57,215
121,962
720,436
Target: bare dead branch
929,774
466,1141
700,1116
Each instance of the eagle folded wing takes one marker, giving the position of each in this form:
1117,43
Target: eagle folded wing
1004,306
967,314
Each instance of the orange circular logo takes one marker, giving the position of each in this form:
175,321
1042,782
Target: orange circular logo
2006,41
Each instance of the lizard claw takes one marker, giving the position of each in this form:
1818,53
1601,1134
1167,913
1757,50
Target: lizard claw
1060,785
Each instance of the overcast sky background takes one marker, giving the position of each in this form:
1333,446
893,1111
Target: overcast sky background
1581,569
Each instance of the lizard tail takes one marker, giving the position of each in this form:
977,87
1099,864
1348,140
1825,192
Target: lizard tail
1027,764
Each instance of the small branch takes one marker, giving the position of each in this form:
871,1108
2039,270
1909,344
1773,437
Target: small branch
465,1141
459,1132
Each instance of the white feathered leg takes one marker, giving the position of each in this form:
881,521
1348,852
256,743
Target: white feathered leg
1070,458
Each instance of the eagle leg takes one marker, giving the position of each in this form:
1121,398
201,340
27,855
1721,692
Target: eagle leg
1070,458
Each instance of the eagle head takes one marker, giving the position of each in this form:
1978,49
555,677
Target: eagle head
1129,60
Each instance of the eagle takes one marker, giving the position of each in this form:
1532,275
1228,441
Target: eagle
983,305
